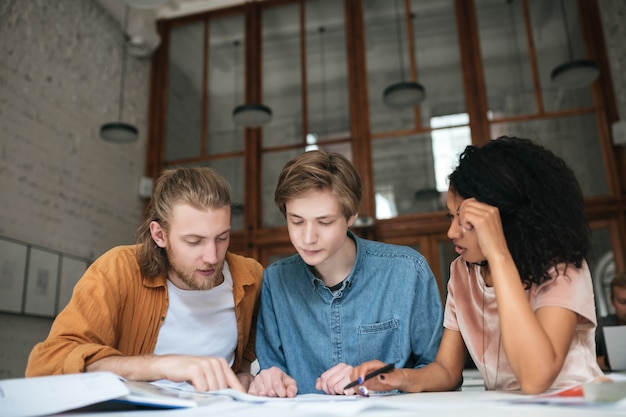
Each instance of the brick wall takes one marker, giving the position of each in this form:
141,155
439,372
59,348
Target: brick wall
61,186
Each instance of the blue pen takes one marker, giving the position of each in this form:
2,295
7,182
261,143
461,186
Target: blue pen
371,375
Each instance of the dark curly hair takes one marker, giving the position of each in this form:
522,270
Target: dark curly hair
540,202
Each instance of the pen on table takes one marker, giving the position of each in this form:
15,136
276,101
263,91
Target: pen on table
371,375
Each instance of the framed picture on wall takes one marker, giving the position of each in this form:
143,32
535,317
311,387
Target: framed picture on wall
12,275
41,283
71,271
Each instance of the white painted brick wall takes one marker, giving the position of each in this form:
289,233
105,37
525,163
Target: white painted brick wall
61,186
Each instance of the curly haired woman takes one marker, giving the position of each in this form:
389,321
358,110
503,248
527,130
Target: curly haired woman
520,296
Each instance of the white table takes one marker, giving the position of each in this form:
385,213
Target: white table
471,403
46,393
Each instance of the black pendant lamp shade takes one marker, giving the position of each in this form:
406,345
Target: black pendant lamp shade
120,132
252,115
575,73
404,93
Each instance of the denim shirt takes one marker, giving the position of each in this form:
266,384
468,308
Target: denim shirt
388,308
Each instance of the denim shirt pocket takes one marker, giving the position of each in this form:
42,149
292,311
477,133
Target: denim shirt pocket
379,341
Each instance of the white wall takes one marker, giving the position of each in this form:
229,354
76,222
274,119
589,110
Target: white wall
61,186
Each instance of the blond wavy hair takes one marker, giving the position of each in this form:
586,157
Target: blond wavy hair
200,187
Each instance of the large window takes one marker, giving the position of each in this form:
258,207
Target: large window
322,67
305,82
522,42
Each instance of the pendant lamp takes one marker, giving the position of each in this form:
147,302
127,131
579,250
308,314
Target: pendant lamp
120,132
252,115
404,93
575,73
248,115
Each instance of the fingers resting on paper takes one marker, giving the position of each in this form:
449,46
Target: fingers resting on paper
205,373
273,382
334,379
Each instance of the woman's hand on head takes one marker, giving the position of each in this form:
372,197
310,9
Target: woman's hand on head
484,220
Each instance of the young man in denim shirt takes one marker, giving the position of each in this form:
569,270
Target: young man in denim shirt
341,300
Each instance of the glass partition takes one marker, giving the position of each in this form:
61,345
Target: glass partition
575,139
404,174
436,60
326,70
558,39
226,84
273,163
183,126
307,63
410,172
310,80
282,82
507,56
232,170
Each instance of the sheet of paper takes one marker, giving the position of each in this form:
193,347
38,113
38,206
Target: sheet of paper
29,397
243,397
240,396
150,394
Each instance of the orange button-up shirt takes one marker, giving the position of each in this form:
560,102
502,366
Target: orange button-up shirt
114,310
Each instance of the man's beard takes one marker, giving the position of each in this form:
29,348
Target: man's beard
188,275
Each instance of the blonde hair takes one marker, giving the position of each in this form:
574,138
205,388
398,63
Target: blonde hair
319,170
200,187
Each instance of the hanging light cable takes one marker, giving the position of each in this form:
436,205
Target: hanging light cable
249,115
311,138
321,31
120,132
575,73
404,93
235,84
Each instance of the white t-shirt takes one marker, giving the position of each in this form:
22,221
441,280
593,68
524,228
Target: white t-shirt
200,323
471,308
